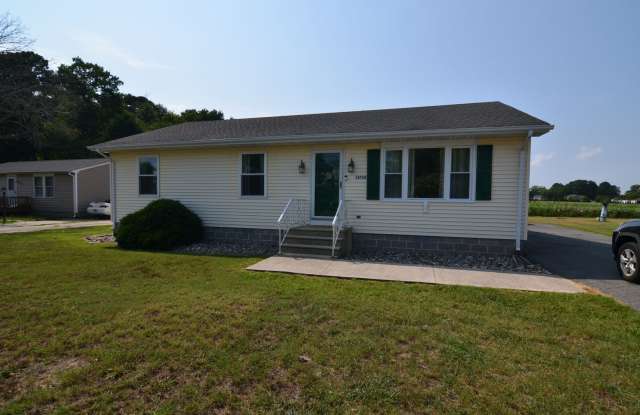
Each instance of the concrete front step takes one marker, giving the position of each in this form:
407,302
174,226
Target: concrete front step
311,240
323,231
303,250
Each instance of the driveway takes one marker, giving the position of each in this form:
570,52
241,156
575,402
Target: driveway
43,225
582,256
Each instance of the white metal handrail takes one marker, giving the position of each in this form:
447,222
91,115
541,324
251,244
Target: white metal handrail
295,213
337,224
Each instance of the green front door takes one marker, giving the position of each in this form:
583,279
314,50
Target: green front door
327,184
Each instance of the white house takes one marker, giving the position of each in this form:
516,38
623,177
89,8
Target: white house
440,178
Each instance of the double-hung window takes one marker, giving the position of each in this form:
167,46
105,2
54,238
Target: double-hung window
460,173
393,174
428,173
252,176
148,175
43,186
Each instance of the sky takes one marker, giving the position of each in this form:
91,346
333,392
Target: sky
574,64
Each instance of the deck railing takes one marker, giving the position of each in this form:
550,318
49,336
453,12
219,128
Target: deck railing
15,204
295,213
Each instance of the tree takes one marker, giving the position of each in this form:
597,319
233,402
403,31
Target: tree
202,115
13,36
122,125
537,190
89,81
608,191
587,188
633,192
26,103
557,191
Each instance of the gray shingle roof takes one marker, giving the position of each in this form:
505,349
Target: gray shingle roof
481,115
48,166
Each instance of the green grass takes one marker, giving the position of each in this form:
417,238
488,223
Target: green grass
581,224
581,209
93,329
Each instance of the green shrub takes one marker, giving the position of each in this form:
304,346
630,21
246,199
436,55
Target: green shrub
163,224
581,209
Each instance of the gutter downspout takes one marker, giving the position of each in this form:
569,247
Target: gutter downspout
112,186
520,203
74,175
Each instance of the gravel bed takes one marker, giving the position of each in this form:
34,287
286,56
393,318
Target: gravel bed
99,239
505,263
226,249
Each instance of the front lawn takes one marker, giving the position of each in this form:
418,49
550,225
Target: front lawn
93,329
581,224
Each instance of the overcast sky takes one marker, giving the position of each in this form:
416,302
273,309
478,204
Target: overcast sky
575,64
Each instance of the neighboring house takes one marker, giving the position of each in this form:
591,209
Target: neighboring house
56,188
441,178
537,198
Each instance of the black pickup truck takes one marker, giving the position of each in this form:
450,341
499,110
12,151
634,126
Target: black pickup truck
625,244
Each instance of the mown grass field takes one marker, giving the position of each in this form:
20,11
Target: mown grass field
93,329
581,224
581,209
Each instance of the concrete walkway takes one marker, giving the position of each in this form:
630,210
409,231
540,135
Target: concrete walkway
411,273
43,225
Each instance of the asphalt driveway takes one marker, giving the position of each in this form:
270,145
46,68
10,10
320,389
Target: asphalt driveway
582,256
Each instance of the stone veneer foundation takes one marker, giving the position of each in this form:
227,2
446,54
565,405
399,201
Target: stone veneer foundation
369,242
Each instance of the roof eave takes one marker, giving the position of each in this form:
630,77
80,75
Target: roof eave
535,130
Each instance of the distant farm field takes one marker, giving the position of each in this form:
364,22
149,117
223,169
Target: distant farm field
581,209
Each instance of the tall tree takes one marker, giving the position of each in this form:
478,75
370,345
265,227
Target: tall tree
586,188
26,103
537,190
202,115
633,192
557,191
608,191
13,37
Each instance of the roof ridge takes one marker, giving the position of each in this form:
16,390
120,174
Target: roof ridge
350,111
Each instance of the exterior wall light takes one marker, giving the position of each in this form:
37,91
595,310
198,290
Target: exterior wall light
351,167
301,167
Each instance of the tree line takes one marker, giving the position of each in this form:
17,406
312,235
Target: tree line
584,190
55,113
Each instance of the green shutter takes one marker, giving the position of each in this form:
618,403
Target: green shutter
373,174
483,172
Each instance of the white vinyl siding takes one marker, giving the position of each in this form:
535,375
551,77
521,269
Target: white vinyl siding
207,181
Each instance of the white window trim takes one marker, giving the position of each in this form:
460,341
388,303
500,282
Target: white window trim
250,153
44,186
447,173
403,173
472,174
157,175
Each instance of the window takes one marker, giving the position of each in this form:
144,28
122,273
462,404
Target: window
393,174
426,173
252,180
148,175
43,186
460,173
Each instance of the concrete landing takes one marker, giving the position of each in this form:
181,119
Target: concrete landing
416,273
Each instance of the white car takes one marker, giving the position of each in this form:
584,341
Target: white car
99,208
